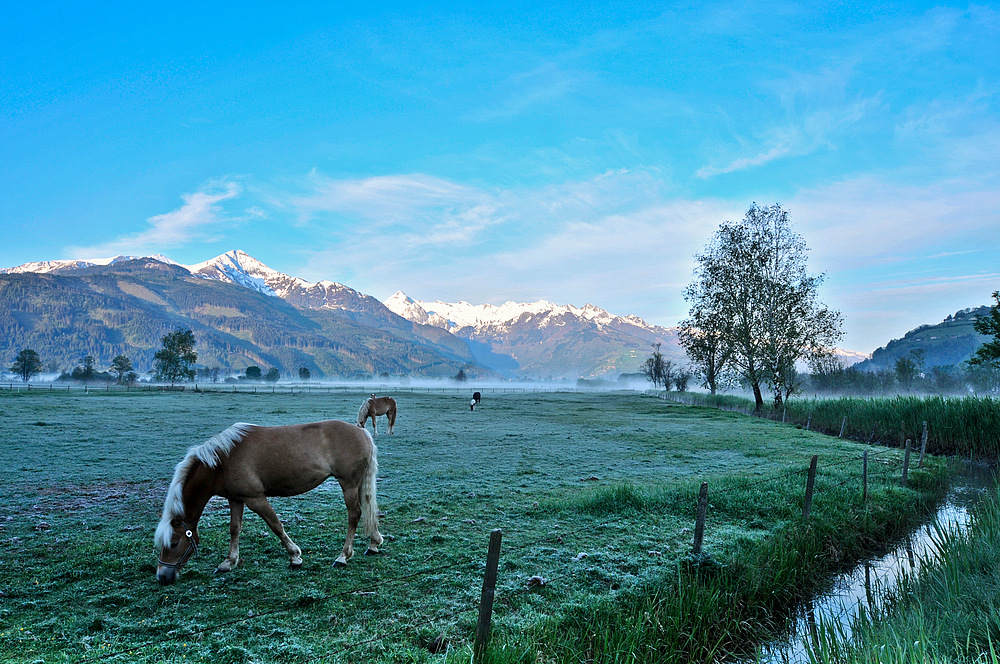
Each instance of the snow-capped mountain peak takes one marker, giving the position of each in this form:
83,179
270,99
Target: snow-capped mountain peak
241,268
43,267
458,315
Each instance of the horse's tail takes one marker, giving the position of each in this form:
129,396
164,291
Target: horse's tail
391,413
369,499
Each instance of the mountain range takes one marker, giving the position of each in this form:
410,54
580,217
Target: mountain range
535,338
244,313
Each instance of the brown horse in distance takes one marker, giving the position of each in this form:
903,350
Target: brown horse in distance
374,406
246,464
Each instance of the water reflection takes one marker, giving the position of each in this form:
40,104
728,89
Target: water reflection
864,587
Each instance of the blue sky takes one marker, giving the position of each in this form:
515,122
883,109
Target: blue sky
576,153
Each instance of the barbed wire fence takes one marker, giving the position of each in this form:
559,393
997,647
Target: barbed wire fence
886,469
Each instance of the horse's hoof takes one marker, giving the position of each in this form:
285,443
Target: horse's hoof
295,565
337,563
372,552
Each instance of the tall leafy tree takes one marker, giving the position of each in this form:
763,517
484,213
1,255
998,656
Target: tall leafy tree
753,298
173,361
989,352
26,364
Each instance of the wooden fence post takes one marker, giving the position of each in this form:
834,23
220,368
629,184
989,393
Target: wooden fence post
906,462
923,446
486,599
783,411
810,483
842,425
864,478
699,524
809,421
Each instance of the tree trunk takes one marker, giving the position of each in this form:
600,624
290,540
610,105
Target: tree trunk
758,398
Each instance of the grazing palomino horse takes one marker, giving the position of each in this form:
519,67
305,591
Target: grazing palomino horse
374,406
247,463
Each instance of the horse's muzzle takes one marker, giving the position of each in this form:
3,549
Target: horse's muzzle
166,575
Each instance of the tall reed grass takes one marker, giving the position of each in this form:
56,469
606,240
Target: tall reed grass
964,426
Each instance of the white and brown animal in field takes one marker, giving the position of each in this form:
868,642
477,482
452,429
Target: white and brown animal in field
374,406
246,464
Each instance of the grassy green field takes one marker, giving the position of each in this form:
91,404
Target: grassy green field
595,493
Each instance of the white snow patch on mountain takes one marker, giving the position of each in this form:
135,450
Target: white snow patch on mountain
43,267
457,315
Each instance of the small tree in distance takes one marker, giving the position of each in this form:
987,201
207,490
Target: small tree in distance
704,347
304,373
121,367
253,372
658,370
272,375
85,372
174,360
26,364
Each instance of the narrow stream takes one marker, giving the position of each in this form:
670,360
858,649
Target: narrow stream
864,587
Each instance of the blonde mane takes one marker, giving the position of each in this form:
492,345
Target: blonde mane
363,411
208,453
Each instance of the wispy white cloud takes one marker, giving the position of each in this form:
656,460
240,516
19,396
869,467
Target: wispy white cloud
778,151
412,211
526,91
863,221
798,136
170,230
617,238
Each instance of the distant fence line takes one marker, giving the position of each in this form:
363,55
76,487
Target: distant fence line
303,388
